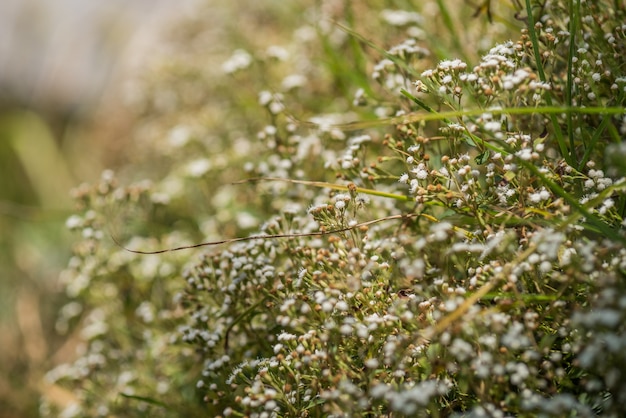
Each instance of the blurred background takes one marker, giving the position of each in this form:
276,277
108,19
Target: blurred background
64,69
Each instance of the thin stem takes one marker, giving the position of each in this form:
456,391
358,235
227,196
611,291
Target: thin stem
597,133
542,75
425,117
449,24
573,27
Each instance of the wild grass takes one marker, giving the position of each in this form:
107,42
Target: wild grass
426,228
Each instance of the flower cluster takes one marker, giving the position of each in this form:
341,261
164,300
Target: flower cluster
463,263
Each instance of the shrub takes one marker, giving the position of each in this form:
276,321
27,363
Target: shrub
440,236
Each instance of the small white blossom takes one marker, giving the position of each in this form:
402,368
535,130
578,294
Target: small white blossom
199,167
238,61
401,17
371,363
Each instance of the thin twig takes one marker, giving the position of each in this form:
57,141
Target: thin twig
269,236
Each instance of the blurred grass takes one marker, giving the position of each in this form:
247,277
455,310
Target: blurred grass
53,135
34,202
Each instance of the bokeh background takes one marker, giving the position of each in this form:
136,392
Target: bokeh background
66,68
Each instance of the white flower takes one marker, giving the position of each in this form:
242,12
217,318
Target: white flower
285,336
74,222
371,363
238,61
461,349
342,306
380,390
265,97
71,410
292,81
400,17
179,136
276,107
270,405
345,329
420,87
514,338
456,65
199,167
524,154
277,52
145,311
421,173
493,126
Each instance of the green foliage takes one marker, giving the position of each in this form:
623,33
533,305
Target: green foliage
491,282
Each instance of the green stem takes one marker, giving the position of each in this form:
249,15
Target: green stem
592,221
573,27
419,116
594,139
449,24
542,75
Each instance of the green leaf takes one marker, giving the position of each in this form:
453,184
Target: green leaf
417,101
469,141
482,158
